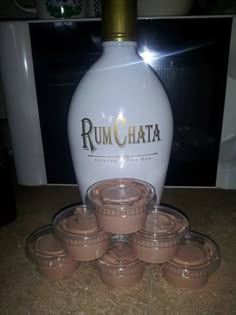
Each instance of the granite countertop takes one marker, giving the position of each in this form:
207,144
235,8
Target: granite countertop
24,292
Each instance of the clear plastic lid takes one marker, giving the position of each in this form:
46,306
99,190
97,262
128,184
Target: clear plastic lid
78,225
120,260
197,256
164,227
43,248
120,196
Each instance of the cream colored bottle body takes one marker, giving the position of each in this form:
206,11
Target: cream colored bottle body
120,122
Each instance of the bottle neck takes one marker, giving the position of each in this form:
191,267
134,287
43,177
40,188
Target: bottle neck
120,51
115,47
119,20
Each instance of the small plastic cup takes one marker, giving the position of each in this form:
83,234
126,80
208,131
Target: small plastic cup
197,258
48,254
158,240
118,267
121,204
77,228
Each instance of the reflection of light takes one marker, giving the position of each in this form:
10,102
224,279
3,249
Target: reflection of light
148,55
59,24
122,162
120,116
62,9
25,64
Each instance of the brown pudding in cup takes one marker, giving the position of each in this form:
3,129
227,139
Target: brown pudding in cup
121,204
77,228
118,267
197,258
47,252
158,240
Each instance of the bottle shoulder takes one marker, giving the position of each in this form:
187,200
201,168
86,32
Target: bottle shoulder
133,82
133,89
133,71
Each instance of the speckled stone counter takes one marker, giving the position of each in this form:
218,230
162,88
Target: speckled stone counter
24,292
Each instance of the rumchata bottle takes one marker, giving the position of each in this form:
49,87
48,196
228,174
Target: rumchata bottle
120,121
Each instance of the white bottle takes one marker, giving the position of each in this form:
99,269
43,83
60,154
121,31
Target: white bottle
120,122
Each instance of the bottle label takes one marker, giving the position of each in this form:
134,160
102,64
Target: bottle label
120,134
121,144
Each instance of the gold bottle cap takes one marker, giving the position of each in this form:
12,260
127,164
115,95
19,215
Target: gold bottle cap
119,20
